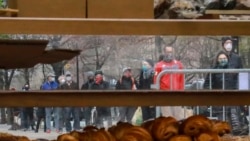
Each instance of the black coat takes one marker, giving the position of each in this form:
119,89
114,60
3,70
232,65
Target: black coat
87,86
146,81
104,85
217,80
125,83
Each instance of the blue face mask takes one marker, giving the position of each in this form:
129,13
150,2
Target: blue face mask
144,68
223,62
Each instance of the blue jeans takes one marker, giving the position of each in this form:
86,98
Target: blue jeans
57,118
74,111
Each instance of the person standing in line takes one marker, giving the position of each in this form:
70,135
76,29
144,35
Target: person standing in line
103,113
51,84
127,82
74,111
170,81
87,86
145,81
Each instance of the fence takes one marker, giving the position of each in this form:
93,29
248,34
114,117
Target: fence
243,84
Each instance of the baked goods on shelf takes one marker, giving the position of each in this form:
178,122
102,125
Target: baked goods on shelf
194,128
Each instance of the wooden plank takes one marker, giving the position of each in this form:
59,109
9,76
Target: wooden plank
8,12
120,9
80,26
228,12
122,98
52,8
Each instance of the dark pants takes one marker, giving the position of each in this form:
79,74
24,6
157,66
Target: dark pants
40,115
75,112
103,114
87,115
127,113
148,113
27,118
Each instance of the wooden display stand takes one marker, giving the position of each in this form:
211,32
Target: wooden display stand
120,9
52,8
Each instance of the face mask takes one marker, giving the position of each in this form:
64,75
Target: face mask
228,47
223,63
144,68
68,78
168,58
63,81
52,79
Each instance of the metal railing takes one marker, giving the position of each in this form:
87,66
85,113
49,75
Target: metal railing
200,71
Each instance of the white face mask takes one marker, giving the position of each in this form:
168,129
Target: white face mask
228,47
52,79
68,78
63,81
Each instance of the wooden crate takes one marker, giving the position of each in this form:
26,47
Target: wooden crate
52,8
120,9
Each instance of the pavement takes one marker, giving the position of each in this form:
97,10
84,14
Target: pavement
4,128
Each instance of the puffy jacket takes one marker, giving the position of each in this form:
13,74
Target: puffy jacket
176,78
217,80
49,85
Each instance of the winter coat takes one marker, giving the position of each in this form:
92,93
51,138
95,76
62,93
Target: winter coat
174,81
87,85
217,80
125,83
69,86
49,85
146,79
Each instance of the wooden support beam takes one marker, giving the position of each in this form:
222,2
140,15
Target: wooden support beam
228,12
78,26
8,12
122,98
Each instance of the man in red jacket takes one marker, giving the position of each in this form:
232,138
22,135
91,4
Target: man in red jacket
174,81
170,81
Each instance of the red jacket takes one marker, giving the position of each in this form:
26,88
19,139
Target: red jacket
177,79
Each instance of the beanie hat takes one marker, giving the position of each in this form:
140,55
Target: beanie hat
150,62
90,73
125,69
224,39
98,72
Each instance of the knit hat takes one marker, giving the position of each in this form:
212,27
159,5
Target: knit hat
224,39
90,73
98,72
150,62
51,75
67,73
125,69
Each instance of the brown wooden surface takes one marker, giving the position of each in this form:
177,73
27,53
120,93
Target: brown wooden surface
122,26
123,98
120,9
8,12
228,12
52,8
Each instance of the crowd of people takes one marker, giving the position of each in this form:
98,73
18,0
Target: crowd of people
62,117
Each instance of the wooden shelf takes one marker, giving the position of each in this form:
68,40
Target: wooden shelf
122,98
80,26
8,12
228,12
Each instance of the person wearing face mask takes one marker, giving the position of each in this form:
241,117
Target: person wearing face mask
232,116
87,86
126,82
50,84
74,111
27,118
234,62
103,113
170,82
145,81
